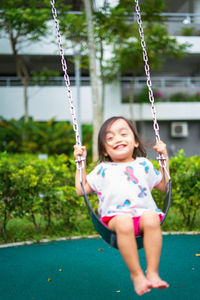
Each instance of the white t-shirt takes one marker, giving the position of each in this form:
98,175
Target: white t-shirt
125,187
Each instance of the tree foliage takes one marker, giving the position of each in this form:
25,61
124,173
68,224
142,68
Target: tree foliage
23,24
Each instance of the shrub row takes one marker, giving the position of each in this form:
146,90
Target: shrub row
143,97
30,186
50,137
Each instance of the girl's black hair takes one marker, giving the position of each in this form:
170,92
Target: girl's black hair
139,151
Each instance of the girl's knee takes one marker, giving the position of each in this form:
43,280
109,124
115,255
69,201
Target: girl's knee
150,219
122,224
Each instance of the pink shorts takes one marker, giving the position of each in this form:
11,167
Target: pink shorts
136,222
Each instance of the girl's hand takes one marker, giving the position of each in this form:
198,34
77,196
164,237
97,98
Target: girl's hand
161,148
80,151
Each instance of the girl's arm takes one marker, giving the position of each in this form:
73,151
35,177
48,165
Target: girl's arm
161,148
81,151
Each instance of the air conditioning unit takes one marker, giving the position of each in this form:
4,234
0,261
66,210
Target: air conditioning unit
179,129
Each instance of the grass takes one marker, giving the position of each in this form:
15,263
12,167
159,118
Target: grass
175,222
22,229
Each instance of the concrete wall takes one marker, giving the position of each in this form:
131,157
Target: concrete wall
52,102
190,144
44,103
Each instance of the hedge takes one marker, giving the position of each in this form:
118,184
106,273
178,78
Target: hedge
30,186
17,136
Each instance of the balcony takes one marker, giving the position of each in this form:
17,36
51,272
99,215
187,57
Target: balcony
50,100
167,85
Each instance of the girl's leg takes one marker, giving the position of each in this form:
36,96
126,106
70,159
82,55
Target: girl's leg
124,228
150,226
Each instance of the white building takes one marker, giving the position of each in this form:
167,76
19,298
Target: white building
179,122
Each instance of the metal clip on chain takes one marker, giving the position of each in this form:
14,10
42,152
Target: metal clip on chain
80,162
80,166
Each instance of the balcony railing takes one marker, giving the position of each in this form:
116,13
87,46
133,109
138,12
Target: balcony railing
52,81
165,82
158,82
173,17
185,18
176,22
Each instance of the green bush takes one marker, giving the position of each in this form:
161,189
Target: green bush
41,137
143,97
42,192
30,187
188,31
183,97
185,173
185,178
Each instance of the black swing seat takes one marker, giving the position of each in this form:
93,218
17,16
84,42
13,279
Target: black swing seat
110,236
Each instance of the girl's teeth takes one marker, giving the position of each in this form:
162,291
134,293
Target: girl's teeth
119,147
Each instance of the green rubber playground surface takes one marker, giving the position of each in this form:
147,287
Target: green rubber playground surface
90,269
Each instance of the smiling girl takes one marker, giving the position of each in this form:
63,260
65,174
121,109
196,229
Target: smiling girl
123,182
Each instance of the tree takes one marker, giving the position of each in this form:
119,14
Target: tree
122,33
23,24
73,27
97,113
78,31
113,27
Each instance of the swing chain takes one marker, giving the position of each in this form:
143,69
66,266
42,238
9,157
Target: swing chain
161,158
66,76
80,160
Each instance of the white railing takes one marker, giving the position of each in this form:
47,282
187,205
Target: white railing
52,81
185,18
165,82
162,82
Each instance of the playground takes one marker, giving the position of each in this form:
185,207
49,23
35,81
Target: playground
91,269
43,191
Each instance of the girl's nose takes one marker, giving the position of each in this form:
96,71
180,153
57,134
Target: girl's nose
118,138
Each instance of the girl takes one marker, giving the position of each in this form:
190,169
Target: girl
123,182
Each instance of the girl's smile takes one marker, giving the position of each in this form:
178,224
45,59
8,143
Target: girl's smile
120,142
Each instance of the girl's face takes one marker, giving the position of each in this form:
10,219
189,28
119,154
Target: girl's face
120,142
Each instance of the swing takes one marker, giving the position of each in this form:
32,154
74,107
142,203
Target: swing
108,235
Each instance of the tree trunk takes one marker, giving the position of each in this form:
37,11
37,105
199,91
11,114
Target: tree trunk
102,80
97,113
131,98
22,73
26,116
37,228
5,218
48,213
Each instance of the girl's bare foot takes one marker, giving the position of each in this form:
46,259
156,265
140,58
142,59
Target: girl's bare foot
141,284
156,281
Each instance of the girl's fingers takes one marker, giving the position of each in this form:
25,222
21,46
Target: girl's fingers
160,147
79,150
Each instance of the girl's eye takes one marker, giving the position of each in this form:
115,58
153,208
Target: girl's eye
109,138
123,133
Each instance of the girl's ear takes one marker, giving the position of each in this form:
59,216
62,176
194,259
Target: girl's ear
136,144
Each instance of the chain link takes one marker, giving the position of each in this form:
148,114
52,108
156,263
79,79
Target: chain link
148,80
147,70
66,76
67,80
